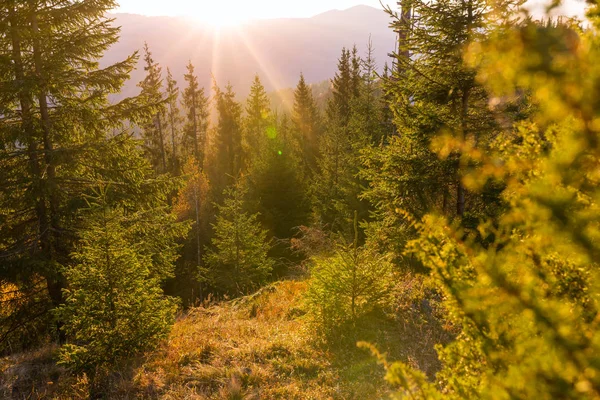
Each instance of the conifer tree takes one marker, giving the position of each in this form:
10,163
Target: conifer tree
58,133
348,285
174,120
434,93
237,261
276,189
193,204
114,305
307,126
154,129
228,156
196,105
524,301
257,121
336,187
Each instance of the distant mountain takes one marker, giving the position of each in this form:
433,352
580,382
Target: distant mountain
278,49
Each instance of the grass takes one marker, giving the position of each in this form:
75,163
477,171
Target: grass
257,347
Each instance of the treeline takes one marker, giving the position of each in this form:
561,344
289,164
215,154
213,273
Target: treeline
457,187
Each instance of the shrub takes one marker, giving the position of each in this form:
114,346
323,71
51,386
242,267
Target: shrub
348,285
238,260
114,306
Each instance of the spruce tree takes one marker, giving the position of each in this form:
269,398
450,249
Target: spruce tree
154,128
227,162
114,306
307,126
193,204
433,93
237,261
59,135
276,189
196,126
174,121
525,301
257,121
336,187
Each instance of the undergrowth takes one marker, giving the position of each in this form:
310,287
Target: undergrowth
257,347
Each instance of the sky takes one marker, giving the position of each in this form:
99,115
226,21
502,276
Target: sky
230,12
221,11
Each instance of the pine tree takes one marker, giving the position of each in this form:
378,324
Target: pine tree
237,261
307,126
114,305
174,121
433,94
227,152
349,285
257,122
196,105
336,187
192,204
524,301
57,137
276,189
154,129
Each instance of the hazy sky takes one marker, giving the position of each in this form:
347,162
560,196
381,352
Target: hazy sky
232,11
236,10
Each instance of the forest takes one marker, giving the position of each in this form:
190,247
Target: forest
420,227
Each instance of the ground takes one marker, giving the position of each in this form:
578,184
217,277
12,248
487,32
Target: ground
257,347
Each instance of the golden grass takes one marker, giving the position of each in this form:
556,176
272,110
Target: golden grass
258,347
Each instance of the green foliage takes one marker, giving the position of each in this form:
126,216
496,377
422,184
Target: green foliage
527,300
60,137
433,92
277,191
195,103
174,123
227,161
257,123
114,306
306,121
352,283
237,261
154,127
352,126
192,204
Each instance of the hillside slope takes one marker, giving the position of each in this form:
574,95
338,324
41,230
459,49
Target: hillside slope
257,347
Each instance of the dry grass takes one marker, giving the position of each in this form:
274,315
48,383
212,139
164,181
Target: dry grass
257,347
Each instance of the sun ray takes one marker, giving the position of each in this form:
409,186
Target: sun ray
272,76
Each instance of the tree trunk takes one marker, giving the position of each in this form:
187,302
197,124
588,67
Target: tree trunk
55,280
162,143
460,192
172,118
195,126
25,102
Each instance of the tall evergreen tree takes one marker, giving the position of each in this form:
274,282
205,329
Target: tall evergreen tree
227,152
525,300
307,126
195,103
154,128
114,306
193,205
276,190
174,121
56,133
336,187
257,121
237,262
434,93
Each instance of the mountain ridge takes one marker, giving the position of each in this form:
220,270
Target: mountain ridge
278,50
